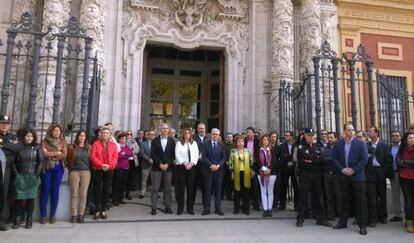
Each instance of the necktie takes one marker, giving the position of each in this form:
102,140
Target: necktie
189,154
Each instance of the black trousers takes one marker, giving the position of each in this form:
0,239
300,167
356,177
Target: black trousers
198,183
242,195
102,181
184,181
285,175
310,183
212,183
407,186
255,192
132,184
120,184
358,190
25,207
377,197
228,185
2,200
333,195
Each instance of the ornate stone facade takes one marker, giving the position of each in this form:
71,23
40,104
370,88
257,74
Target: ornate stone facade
258,39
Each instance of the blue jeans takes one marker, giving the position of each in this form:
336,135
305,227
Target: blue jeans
50,185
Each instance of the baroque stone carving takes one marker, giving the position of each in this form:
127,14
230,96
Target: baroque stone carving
92,21
282,39
310,30
22,6
190,22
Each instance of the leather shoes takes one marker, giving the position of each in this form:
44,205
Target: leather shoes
299,223
219,212
324,223
395,219
3,227
191,212
340,226
269,213
73,219
236,212
363,231
383,221
205,212
153,211
141,196
372,225
168,211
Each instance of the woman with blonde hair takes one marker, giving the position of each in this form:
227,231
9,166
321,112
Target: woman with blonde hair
54,149
266,173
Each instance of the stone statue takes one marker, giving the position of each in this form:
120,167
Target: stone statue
187,19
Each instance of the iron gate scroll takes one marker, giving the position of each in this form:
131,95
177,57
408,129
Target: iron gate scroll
61,56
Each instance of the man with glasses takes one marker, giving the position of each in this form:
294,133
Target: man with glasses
163,155
394,177
310,162
323,138
212,169
350,156
146,162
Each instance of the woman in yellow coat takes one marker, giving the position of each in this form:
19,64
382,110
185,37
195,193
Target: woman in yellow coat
240,164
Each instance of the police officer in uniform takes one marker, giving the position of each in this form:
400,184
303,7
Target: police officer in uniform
310,162
5,137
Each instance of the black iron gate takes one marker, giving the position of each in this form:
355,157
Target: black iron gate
33,58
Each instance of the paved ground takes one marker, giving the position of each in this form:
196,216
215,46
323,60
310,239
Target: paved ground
133,223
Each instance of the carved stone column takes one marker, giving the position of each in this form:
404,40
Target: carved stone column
21,6
282,55
310,33
55,15
92,21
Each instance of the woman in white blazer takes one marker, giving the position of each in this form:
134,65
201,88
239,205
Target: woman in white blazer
186,156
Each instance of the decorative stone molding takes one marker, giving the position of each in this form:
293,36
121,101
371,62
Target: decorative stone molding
310,33
189,25
282,54
22,6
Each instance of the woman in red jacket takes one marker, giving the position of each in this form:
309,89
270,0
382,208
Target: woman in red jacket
103,157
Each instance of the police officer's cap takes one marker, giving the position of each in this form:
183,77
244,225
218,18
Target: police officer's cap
309,131
5,118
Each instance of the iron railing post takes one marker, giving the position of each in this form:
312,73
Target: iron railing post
318,109
353,94
337,110
371,93
85,85
11,36
58,79
34,80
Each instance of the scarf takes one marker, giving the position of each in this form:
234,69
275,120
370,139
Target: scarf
265,159
53,147
236,165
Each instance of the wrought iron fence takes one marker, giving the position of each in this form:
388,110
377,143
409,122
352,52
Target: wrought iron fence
40,66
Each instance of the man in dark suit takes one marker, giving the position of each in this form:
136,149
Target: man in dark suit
163,155
285,154
379,161
146,162
350,157
212,169
252,144
200,138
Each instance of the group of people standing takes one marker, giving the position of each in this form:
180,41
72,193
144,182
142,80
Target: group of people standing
330,176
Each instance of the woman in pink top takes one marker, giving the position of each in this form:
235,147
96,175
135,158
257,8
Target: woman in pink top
122,170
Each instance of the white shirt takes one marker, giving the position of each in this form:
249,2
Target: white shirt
375,162
214,144
181,153
164,143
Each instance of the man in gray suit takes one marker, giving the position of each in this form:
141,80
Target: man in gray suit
146,162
